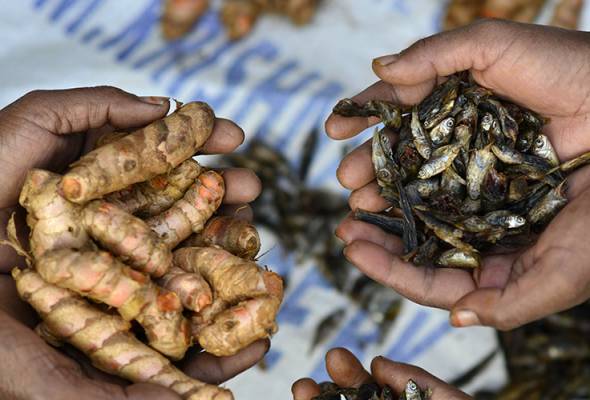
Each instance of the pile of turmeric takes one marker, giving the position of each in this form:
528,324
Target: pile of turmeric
132,226
462,12
238,16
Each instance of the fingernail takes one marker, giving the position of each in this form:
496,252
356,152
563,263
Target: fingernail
464,318
345,253
156,100
386,60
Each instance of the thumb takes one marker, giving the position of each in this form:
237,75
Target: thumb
475,46
77,110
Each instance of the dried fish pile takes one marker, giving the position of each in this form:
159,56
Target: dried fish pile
548,359
469,172
303,218
371,391
462,12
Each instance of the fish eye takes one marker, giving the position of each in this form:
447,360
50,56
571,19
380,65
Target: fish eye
539,141
450,122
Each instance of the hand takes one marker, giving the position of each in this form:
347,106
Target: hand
346,371
50,129
545,69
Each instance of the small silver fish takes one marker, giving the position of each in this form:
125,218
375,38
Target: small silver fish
549,205
480,162
412,391
507,155
424,187
419,136
441,133
441,159
457,258
543,148
382,159
505,219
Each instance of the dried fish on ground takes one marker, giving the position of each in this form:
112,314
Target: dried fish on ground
304,218
497,178
371,391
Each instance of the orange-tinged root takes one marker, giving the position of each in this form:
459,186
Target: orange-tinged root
179,16
240,325
54,221
190,213
235,235
101,277
127,237
141,155
233,279
105,339
156,195
192,290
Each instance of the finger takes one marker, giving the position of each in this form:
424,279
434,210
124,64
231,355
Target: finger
339,127
305,389
368,198
532,293
345,369
396,376
241,185
476,46
239,211
38,371
436,287
12,305
356,168
226,137
350,230
78,110
215,370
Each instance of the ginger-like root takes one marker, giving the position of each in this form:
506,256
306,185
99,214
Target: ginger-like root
179,16
189,214
204,318
237,282
515,10
461,13
128,237
567,14
240,325
141,155
192,290
54,221
105,339
109,137
101,277
240,16
235,235
156,195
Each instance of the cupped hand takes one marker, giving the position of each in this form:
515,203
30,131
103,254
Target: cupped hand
346,371
50,129
544,69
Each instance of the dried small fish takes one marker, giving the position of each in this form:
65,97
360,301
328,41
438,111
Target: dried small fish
326,327
456,258
506,154
440,103
385,169
389,112
495,182
389,224
542,148
480,162
441,133
508,125
421,140
424,187
441,159
549,205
